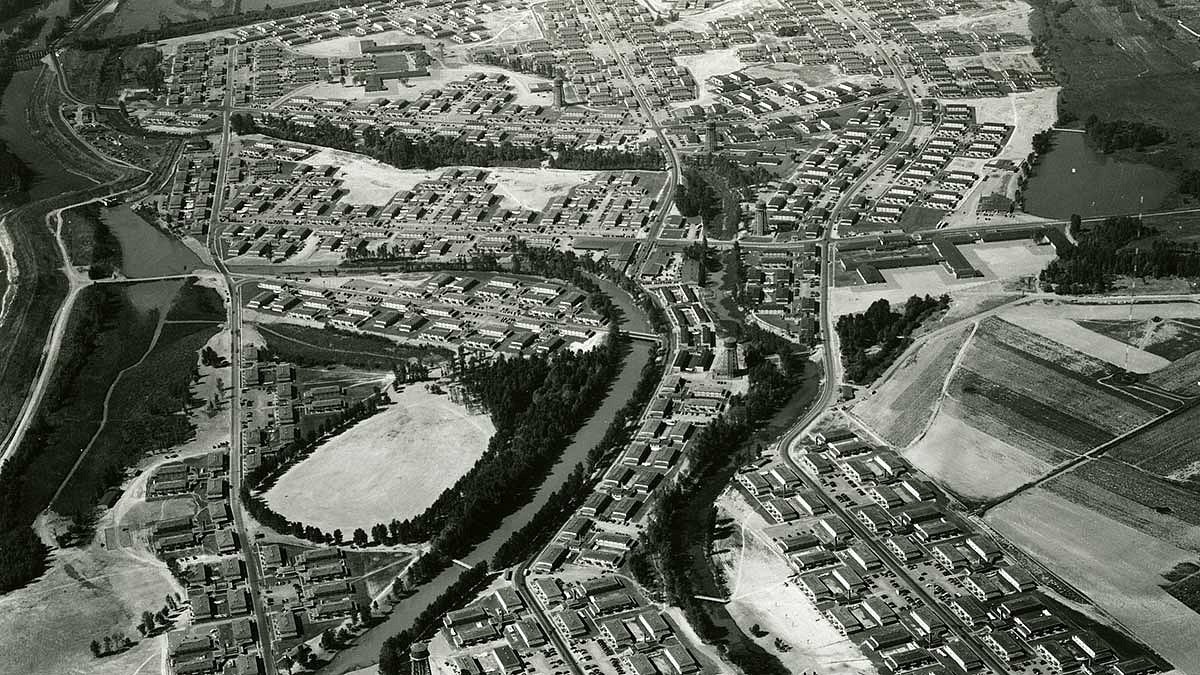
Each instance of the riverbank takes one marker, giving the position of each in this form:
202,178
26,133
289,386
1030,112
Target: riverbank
365,652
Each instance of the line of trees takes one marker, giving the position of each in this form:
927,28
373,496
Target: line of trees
271,468
393,655
666,559
431,152
872,340
1108,250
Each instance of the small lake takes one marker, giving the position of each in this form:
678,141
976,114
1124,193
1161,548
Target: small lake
1073,178
146,251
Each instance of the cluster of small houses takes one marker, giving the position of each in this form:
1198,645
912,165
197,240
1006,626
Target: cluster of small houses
453,20
280,207
999,603
826,173
210,529
498,315
780,291
193,186
608,609
291,401
867,257
598,535
225,648
326,591
478,108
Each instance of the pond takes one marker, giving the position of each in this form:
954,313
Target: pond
146,251
1074,178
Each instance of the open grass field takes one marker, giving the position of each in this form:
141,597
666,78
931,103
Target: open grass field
1117,566
969,461
1182,376
391,465
1048,321
900,408
88,593
1170,448
1007,334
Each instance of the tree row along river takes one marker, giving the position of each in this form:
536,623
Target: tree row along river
366,651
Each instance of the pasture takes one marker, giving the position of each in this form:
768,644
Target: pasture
1182,376
1170,448
391,465
970,462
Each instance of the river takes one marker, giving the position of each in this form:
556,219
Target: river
1074,178
52,178
366,651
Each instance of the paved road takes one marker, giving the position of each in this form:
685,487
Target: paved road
561,645
254,574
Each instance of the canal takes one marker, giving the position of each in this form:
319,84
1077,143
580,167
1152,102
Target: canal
366,651
1074,178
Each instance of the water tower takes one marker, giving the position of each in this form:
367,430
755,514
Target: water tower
731,357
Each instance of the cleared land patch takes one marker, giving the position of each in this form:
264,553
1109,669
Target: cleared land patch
392,465
1047,321
900,407
1110,562
970,462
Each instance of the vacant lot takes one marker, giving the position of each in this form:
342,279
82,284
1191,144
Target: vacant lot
899,409
1115,565
392,465
970,462
764,595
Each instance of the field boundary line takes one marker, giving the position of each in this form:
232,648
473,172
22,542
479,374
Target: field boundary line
954,365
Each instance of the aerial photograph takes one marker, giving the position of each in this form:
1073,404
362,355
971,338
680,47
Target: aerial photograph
599,337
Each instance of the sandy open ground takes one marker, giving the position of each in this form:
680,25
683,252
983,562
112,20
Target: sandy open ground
762,594
704,66
366,180
1116,566
970,462
900,407
532,188
1028,112
1009,16
1051,321
392,465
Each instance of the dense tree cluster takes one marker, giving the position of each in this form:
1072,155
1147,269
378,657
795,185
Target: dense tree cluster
873,339
432,152
1043,141
1109,250
393,656
577,487
1110,135
695,197
106,255
1189,183
14,173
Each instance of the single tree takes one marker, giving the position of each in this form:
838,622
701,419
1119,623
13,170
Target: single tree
95,646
